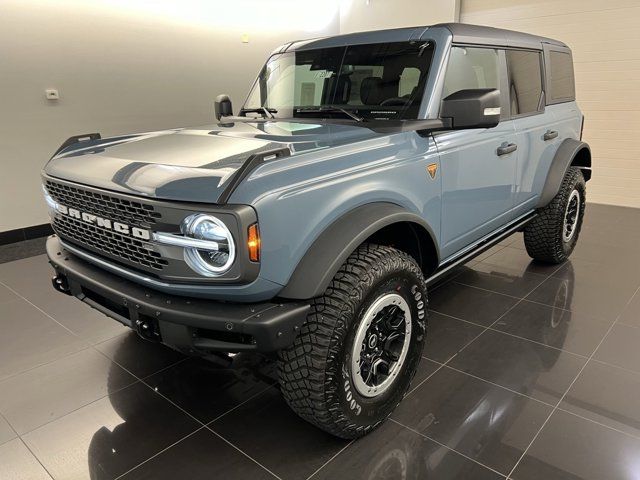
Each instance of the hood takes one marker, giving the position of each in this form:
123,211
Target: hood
189,164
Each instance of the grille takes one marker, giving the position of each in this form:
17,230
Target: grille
107,241
129,212
121,210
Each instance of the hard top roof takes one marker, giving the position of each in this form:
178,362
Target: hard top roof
460,33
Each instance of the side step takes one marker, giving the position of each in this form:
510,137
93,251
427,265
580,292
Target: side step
482,246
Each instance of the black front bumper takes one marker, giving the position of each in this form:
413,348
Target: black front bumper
192,325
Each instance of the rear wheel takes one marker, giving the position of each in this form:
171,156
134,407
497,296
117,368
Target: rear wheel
553,234
354,359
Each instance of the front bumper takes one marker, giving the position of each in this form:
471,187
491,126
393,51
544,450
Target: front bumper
192,325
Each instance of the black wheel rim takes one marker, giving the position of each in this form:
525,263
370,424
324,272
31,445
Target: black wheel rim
571,216
381,345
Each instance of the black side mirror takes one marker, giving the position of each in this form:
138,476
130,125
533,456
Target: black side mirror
472,108
223,107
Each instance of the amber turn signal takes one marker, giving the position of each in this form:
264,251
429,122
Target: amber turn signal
253,242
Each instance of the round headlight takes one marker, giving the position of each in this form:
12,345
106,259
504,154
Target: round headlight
210,262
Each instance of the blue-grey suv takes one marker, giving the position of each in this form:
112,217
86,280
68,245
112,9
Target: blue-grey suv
361,169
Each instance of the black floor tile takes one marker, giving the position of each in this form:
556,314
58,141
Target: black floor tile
607,395
16,462
624,276
518,259
207,390
110,436
394,452
598,299
621,347
23,249
529,368
446,336
631,313
29,338
472,304
625,217
554,327
611,254
202,455
6,432
516,241
499,279
46,393
425,369
482,421
31,278
573,448
486,254
140,357
268,431
6,295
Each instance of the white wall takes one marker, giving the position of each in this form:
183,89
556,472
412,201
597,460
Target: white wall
604,38
138,65
125,66
363,15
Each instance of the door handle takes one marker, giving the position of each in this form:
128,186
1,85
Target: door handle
550,135
506,148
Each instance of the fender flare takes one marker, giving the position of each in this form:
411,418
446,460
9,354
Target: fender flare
333,246
562,160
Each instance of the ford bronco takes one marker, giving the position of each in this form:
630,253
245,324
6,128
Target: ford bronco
360,169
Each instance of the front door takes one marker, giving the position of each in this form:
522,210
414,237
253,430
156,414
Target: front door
478,166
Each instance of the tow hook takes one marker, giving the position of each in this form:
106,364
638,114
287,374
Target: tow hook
148,328
60,283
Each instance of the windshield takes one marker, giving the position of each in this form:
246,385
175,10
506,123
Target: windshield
379,81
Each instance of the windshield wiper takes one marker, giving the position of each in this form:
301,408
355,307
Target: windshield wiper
266,112
331,109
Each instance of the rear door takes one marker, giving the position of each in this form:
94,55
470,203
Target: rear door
477,175
538,135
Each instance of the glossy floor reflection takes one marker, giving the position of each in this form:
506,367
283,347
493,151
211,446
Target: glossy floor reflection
530,371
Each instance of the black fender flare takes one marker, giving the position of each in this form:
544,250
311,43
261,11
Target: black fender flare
333,246
563,159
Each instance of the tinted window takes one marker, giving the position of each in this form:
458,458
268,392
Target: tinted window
561,85
525,81
384,81
471,67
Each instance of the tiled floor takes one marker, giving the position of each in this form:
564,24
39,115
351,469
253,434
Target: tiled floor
530,371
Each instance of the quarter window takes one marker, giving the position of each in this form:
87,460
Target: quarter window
525,81
561,84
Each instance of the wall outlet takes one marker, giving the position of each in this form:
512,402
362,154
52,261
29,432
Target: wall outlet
52,94
245,38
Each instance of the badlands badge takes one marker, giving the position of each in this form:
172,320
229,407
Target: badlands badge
432,168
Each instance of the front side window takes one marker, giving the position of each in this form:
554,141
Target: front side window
471,67
381,81
525,81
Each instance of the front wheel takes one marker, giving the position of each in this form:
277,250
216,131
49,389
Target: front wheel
356,355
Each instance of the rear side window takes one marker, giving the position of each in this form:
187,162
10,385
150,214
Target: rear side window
471,67
525,81
561,83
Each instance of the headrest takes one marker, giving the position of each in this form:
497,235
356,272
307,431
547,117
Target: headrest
370,90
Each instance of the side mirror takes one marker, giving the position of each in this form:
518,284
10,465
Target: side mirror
472,108
223,107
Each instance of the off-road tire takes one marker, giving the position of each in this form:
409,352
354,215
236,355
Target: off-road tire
543,237
315,372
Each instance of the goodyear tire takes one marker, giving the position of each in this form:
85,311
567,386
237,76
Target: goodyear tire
553,234
356,355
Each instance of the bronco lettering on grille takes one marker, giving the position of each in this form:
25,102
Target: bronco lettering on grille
105,223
